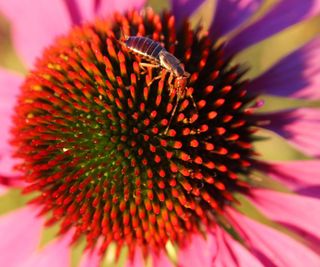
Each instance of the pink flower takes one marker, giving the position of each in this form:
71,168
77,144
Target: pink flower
88,133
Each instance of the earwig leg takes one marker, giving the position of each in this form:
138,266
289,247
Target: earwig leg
154,79
170,83
145,65
194,103
173,112
150,65
172,91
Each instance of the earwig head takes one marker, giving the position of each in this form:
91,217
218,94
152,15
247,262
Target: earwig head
180,82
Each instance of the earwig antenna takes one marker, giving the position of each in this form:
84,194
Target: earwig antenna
192,99
123,36
194,103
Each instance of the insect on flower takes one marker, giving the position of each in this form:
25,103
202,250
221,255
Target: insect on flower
157,56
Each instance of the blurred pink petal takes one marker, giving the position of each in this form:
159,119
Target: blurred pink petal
218,249
297,75
310,191
106,8
35,24
9,89
300,127
137,260
84,10
57,253
199,251
232,253
293,211
281,16
20,234
230,14
272,247
161,260
3,189
80,10
296,175
90,259
182,9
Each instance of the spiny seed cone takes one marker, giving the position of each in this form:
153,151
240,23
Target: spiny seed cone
93,129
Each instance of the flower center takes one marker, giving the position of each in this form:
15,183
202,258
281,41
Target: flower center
103,146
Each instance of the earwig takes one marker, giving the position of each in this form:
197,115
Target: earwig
157,56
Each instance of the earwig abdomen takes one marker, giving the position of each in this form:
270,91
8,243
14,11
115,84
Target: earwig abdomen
145,47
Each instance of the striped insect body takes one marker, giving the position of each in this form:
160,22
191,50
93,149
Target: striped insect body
144,47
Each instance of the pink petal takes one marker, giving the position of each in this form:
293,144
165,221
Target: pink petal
20,234
106,8
3,189
80,10
297,75
218,249
230,14
199,251
272,247
183,9
300,127
84,10
9,89
310,191
232,254
161,260
282,15
224,256
90,259
57,253
137,260
35,24
296,212
296,175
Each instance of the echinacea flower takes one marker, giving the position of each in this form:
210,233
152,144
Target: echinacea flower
96,140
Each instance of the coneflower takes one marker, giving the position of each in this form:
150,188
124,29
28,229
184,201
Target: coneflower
111,154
